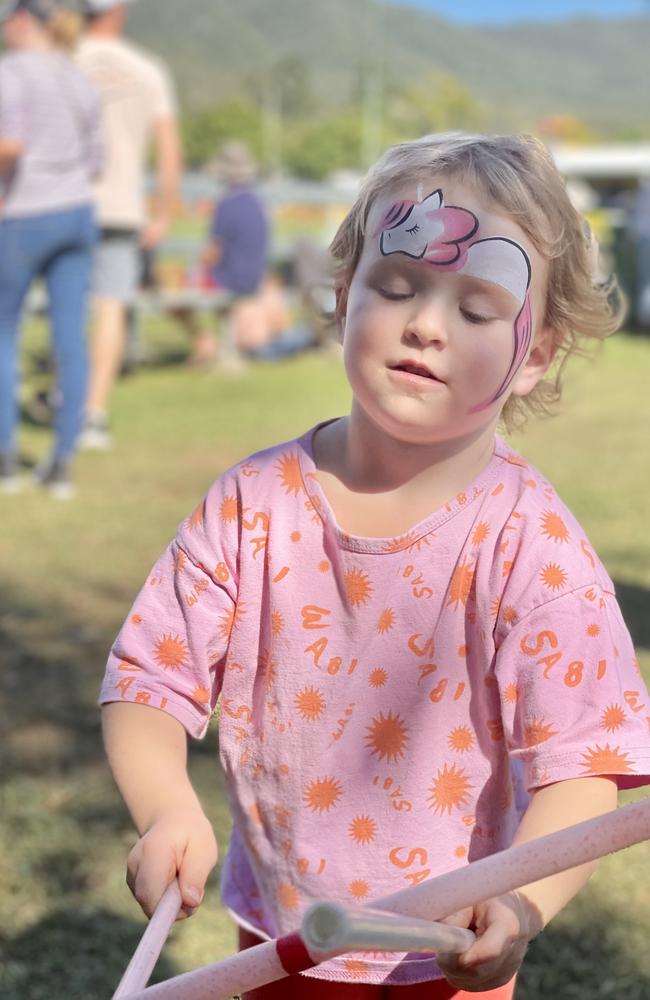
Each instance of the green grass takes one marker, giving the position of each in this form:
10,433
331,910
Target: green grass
68,923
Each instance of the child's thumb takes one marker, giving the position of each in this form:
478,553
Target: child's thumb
193,875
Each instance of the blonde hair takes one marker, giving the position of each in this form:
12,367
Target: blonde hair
64,28
516,173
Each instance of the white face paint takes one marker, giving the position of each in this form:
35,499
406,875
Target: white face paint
502,262
445,237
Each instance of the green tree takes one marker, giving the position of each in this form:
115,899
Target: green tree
438,102
206,129
316,149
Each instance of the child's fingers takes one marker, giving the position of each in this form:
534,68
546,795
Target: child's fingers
497,939
198,861
461,918
149,873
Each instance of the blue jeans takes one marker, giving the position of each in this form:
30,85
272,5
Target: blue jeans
56,246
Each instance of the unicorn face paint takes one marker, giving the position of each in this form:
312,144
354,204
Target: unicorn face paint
437,318
447,238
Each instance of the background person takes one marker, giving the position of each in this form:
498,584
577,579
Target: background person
139,111
236,260
50,150
416,649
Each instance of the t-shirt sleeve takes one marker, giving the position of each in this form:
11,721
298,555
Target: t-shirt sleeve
165,104
171,651
13,107
574,702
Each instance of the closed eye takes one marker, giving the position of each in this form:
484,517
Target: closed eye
413,229
386,293
474,317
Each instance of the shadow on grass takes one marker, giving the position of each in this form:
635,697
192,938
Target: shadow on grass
635,605
596,957
51,669
73,955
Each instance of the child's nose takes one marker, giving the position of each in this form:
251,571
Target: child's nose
428,323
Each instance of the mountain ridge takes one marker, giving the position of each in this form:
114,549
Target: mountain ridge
597,71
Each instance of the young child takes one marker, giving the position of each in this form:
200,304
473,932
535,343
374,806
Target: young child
419,657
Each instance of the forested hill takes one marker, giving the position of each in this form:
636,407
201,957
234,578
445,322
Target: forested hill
597,70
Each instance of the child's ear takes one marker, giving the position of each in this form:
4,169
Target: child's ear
341,309
538,362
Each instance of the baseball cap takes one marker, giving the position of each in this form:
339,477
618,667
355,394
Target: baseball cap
42,9
99,6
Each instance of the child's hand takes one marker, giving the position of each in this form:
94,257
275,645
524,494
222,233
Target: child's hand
504,926
181,843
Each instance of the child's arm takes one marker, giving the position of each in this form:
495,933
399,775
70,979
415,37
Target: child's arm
506,924
147,751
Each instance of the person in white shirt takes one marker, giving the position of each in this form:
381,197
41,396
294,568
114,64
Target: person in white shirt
139,110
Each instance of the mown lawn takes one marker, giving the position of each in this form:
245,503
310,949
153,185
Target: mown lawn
68,924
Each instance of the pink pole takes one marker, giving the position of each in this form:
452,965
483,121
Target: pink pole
431,900
146,954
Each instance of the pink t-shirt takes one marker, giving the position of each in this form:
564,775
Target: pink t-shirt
385,702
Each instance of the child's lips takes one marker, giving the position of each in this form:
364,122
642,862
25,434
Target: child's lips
417,369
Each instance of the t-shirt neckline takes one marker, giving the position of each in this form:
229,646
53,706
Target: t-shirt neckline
382,545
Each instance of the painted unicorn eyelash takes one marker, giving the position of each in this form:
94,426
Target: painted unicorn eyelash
413,229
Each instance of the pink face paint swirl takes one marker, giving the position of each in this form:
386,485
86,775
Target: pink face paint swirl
428,231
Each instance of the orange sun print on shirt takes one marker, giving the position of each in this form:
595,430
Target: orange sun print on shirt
356,967
461,739
358,587
450,789
481,531
386,621
171,652
613,718
229,509
378,678
553,576
511,693
554,527
196,517
362,829
201,695
359,888
606,760
289,472
387,737
288,897
230,620
461,584
322,794
277,624
310,704
537,731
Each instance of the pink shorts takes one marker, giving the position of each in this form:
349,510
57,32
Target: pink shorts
297,987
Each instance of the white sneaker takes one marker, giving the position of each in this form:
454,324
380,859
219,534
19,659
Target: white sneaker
9,480
53,475
95,435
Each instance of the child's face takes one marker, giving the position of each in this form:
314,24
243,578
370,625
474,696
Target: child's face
442,320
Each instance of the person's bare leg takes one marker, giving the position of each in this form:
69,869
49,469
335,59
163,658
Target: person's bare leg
106,353
203,350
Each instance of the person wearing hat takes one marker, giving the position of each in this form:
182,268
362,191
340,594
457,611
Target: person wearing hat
50,151
139,111
236,260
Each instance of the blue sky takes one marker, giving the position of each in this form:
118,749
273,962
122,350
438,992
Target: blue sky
502,11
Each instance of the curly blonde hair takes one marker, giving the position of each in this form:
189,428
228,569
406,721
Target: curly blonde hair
517,174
